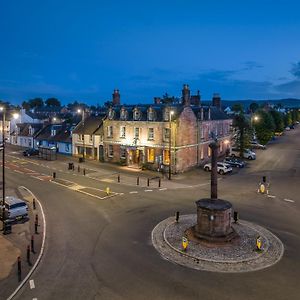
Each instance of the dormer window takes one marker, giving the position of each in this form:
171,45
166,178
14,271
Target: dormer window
151,114
123,114
166,114
53,132
111,114
136,114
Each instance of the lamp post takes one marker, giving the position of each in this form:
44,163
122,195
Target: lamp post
253,120
170,143
83,143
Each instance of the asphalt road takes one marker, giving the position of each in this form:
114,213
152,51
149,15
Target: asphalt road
101,248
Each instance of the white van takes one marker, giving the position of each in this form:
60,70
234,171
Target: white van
15,208
234,152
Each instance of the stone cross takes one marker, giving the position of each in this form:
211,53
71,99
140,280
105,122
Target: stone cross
214,170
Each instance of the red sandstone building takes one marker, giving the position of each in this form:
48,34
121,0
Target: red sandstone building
160,136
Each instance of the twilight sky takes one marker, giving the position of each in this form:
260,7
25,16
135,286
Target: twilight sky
82,50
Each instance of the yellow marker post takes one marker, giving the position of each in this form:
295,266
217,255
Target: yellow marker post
185,243
258,243
107,190
262,188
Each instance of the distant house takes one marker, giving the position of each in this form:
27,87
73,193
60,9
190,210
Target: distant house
87,138
25,135
58,136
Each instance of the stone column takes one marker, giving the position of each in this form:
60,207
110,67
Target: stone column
214,170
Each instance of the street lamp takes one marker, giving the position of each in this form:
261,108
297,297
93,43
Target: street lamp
81,111
254,119
170,143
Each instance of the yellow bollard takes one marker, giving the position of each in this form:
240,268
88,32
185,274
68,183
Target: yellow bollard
258,243
262,188
107,190
185,243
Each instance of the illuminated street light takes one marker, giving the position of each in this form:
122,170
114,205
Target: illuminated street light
81,111
170,143
16,116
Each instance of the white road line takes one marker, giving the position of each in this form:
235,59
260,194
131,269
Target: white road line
18,172
31,283
34,299
162,189
148,190
133,192
271,196
288,200
37,178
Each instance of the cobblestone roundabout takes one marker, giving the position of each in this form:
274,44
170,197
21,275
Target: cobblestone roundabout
237,256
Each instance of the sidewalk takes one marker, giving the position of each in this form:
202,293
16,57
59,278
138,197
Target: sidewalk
15,245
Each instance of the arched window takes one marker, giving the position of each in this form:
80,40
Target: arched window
151,114
123,114
111,114
136,114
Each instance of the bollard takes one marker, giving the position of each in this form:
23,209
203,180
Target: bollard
73,167
159,182
78,168
37,219
28,255
36,227
177,216
148,182
138,180
185,243
84,171
258,243
19,268
107,190
54,175
264,179
33,203
235,216
32,244
118,177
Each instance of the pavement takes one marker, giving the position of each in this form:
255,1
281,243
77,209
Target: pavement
15,245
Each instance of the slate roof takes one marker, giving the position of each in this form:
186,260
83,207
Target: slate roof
89,126
63,133
24,129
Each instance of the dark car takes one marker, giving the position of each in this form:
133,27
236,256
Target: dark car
292,127
234,162
30,152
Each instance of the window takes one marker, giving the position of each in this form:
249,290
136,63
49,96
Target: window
109,131
110,150
151,155
123,114
111,114
208,151
202,132
122,131
31,130
91,138
166,157
151,134
166,134
151,114
53,132
202,153
136,133
136,114
81,137
123,152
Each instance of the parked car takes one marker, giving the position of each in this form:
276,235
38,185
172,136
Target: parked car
15,208
221,167
278,133
30,152
292,127
234,152
234,162
256,145
287,128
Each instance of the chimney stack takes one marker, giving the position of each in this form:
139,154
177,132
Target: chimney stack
216,100
116,97
157,100
186,95
196,99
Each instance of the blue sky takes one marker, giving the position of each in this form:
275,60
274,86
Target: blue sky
82,50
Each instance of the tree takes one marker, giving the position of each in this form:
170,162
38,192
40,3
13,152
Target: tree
243,132
238,108
26,105
254,107
52,102
278,120
287,119
264,127
36,102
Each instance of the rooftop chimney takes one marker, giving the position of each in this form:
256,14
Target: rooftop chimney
216,100
186,95
116,97
196,99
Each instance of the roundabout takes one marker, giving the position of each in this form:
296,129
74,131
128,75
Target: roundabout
238,255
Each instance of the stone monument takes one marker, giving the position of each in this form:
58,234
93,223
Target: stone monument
214,214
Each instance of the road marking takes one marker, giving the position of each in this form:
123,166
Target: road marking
34,299
37,178
31,283
288,200
148,190
271,196
162,189
133,192
18,172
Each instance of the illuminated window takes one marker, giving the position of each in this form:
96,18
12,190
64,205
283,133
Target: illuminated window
151,134
202,153
151,155
122,131
166,157
136,114
208,152
166,134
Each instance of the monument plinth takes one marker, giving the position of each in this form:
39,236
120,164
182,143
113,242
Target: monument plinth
213,214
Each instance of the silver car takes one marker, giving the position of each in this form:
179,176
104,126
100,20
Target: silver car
15,208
